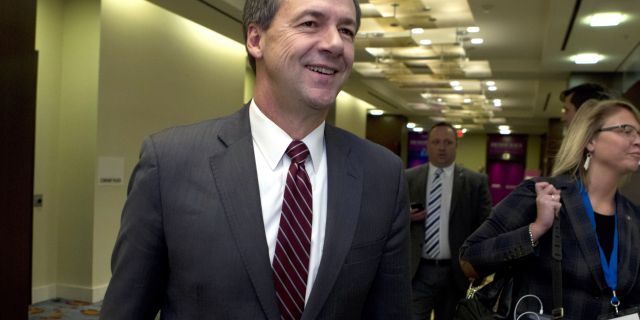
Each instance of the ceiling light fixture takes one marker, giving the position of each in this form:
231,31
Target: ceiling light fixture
376,112
477,41
454,83
473,29
418,129
606,19
587,58
411,125
425,42
466,100
417,31
490,83
492,88
458,88
497,103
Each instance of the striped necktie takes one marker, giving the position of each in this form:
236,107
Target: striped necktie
291,260
434,205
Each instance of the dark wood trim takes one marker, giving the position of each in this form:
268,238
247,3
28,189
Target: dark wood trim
18,81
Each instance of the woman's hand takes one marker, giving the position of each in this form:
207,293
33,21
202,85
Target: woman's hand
548,205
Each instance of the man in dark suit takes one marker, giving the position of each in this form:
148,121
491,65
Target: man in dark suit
448,203
269,213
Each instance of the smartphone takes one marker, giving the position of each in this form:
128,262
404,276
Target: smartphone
417,205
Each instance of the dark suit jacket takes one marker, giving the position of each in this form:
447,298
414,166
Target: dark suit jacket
192,240
470,206
504,239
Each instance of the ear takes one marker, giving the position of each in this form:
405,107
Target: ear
254,43
590,146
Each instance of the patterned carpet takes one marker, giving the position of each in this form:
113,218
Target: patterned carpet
61,309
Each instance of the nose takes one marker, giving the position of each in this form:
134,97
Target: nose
332,41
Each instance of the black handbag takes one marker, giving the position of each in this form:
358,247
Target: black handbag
494,300
488,302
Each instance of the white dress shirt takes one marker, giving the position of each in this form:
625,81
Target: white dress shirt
270,143
447,190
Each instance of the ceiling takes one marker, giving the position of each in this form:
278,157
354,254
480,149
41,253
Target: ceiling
526,53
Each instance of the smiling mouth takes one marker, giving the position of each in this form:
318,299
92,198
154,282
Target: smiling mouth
322,70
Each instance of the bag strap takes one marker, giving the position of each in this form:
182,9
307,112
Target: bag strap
556,255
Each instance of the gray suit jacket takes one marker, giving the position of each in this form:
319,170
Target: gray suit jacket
192,241
503,240
470,206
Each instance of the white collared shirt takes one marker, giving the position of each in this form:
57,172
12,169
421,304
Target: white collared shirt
447,190
270,143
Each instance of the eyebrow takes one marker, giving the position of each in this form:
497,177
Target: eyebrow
321,15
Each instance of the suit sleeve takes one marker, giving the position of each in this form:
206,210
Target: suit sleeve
139,261
390,294
504,236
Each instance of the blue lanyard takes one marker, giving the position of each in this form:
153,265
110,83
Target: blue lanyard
610,267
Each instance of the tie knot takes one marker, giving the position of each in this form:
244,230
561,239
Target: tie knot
297,151
439,172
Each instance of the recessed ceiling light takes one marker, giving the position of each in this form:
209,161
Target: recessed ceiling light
505,132
458,88
497,102
606,19
587,58
492,88
411,125
473,29
466,100
503,127
464,130
490,83
454,83
477,41
417,30
418,129
376,112
457,126
426,95
425,42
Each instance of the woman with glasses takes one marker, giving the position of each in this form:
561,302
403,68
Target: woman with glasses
600,228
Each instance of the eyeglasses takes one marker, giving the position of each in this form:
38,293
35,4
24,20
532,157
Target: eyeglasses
627,130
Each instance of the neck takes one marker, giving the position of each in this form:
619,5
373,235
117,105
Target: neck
602,190
295,120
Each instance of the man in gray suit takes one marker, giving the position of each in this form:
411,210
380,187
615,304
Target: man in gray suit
269,213
448,203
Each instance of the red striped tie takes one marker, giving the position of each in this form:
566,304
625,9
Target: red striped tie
291,261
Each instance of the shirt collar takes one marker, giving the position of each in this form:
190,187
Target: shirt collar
448,170
273,141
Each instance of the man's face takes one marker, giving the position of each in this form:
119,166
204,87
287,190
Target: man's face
441,146
568,110
307,52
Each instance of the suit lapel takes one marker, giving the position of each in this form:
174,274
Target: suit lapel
235,177
458,182
575,211
343,207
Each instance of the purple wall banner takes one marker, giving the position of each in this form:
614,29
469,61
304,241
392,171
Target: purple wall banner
417,150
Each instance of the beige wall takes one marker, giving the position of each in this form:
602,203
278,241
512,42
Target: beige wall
45,218
351,114
77,143
472,151
110,73
533,152
156,70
